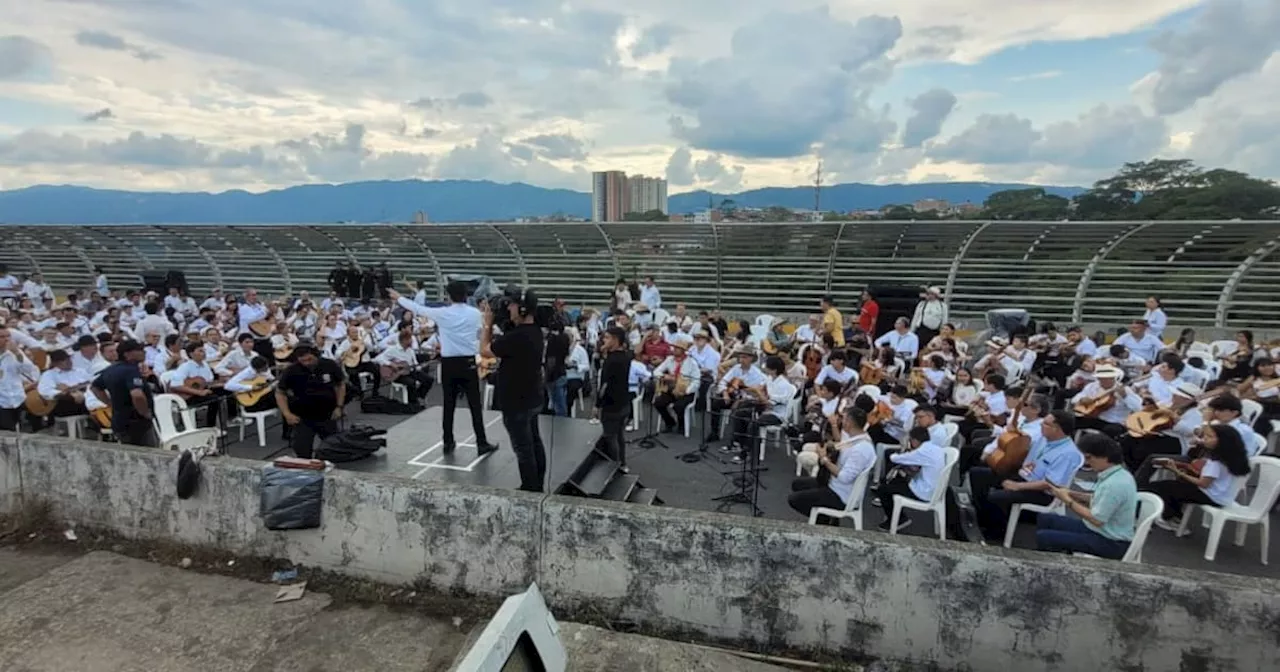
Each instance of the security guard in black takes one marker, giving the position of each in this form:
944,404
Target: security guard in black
310,394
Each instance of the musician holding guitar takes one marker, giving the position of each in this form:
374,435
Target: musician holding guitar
677,381
16,372
252,387
1105,403
256,318
732,387
915,475
1053,461
61,389
400,364
1164,431
195,382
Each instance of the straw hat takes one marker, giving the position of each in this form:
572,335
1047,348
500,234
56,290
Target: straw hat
1108,371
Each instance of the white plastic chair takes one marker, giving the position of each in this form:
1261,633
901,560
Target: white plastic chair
1200,348
1249,411
168,406
636,407
852,508
74,423
793,409
1223,348
937,502
400,393
1054,506
1256,512
756,337
259,420
1150,506
1199,377
953,431
765,321
872,391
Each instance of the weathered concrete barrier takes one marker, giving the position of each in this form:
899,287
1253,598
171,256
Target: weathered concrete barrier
712,576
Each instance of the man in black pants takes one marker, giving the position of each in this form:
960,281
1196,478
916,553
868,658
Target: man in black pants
613,403
519,351
311,396
458,326
124,388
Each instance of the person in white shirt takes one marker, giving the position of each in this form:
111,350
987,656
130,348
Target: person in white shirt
995,405
215,302
10,287
16,369
1141,452
86,358
676,372
173,300
732,386
251,312
238,359
250,379
833,487
1079,344
809,333
775,397
1216,484
930,315
1030,419
35,289
153,324
891,429
64,386
836,370
100,281
458,326
1160,386
903,342
1155,318
399,365
578,368
1141,342
1111,420
704,326
649,294
193,380
1020,353
682,318
916,473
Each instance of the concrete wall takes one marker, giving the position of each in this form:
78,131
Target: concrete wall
730,578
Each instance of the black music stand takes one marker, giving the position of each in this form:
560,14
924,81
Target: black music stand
704,411
746,477
651,439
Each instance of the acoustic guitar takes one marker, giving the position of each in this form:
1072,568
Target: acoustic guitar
261,389
870,374
352,358
40,407
193,383
263,328
102,416
1013,446
1092,408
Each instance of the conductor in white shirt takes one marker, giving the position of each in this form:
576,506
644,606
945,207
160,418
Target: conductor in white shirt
458,327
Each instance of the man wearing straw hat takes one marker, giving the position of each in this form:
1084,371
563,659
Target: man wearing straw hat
1111,420
930,315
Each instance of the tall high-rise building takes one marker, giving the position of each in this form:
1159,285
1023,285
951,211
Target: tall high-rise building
609,196
647,193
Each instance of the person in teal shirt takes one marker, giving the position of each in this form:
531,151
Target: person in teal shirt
1106,516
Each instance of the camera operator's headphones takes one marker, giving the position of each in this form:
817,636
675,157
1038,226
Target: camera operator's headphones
527,300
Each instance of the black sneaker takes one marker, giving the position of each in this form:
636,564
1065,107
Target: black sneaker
448,448
485,448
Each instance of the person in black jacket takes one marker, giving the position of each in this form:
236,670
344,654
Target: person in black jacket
555,369
338,279
613,403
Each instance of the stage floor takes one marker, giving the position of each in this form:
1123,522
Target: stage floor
413,452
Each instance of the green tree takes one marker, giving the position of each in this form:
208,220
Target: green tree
775,213
647,216
899,212
1026,204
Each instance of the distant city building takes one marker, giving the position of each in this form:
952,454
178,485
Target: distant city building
609,196
647,193
931,205
419,217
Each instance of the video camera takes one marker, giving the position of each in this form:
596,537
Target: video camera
543,316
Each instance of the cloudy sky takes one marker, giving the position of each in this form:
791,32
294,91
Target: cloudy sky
721,94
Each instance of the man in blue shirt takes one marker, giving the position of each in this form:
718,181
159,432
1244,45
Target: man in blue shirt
1053,461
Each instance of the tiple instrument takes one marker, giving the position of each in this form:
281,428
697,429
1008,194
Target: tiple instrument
1013,446
193,383
664,386
870,374
881,413
812,359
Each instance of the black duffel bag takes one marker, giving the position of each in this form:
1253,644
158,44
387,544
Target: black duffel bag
350,445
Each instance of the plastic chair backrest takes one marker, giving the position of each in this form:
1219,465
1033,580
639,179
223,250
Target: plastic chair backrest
1197,376
1249,411
1199,348
166,407
1150,506
944,479
757,334
1223,348
1268,490
872,391
765,321
952,430
793,411
859,492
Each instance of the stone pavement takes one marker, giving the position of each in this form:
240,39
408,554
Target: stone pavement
104,612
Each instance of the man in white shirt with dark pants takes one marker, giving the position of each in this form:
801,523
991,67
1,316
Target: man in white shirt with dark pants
458,327
834,485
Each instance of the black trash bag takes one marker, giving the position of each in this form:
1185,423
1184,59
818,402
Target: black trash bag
188,480
291,499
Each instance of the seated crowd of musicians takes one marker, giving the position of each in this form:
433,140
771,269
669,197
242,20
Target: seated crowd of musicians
221,356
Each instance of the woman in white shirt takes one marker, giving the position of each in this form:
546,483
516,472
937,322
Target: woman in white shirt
964,391
1264,387
936,377
1215,483
577,368
1155,317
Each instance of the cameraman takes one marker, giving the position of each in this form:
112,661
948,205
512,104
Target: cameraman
519,350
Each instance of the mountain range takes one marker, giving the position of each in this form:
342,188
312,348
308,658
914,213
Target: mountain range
441,200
